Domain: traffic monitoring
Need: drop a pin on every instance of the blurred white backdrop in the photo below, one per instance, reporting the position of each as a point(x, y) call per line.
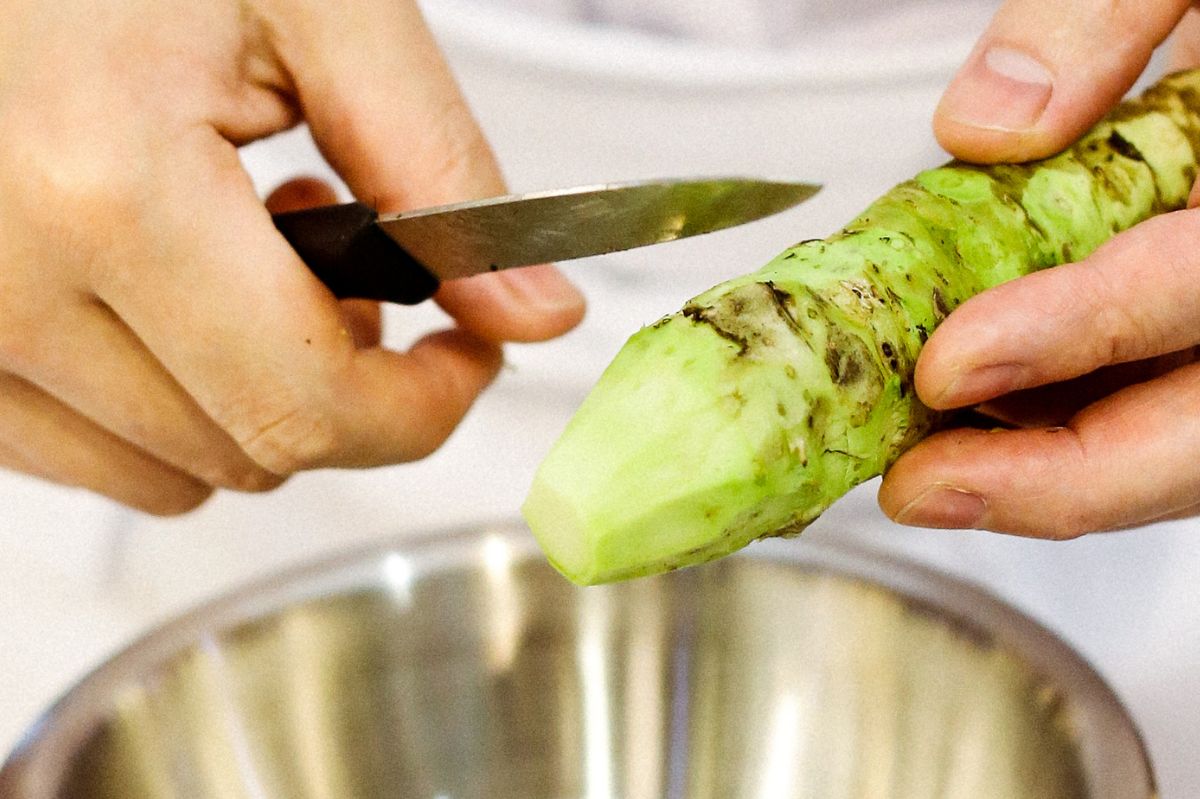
point(586, 91)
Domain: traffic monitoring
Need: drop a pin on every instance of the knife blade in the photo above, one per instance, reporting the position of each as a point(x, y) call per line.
point(404, 257)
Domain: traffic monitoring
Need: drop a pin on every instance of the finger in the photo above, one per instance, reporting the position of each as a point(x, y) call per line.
point(1054, 405)
point(533, 303)
point(387, 113)
point(363, 317)
point(1185, 54)
point(1135, 297)
point(300, 193)
point(273, 362)
point(1043, 73)
point(41, 436)
point(1190, 512)
point(1185, 42)
point(94, 364)
point(1125, 460)
point(441, 374)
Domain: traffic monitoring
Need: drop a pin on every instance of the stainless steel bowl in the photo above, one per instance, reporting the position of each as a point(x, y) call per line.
point(461, 666)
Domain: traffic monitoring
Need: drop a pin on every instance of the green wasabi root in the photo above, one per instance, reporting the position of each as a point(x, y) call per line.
point(751, 410)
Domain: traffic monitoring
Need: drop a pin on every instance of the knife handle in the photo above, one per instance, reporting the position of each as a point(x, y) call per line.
point(348, 252)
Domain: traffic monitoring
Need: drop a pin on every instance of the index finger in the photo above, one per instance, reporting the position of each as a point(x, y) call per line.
point(232, 313)
point(1135, 297)
point(1127, 459)
point(387, 113)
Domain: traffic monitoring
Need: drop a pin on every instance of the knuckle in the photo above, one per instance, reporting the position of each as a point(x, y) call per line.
point(1061, 523)
point(1061, 465)
point(429, 442)
point(176, 501)
point(458, 155)
point(80, 181)
point(291, 441)
point(1125, 336)
point(245, 476)
point(76, 210)
point(1069, 524)
point(15, 348)
point(444, 402)
point(256, 481)
point(1120, 14)
point(1120, 334)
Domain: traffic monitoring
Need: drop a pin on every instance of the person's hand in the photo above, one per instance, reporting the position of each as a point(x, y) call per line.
point(158, 338)
point(1091, 362)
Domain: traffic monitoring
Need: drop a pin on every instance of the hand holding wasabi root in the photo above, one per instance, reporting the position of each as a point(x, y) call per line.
point(1092, 361)
point(761, 402)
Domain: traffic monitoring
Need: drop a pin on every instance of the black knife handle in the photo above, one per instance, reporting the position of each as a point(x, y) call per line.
point(348, 252)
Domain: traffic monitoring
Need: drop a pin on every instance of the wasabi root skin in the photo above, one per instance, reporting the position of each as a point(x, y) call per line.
point(765, 399)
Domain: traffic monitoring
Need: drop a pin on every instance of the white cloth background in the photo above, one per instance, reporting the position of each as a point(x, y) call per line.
point(775, 24)
point(581, 92)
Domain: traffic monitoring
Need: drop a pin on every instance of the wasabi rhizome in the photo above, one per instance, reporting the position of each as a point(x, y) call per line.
point(765, 399)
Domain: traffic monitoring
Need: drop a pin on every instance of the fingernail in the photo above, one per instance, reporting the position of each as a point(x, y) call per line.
point(541, 286)
point(999, 89)
point(943, 506)
point(979, 384)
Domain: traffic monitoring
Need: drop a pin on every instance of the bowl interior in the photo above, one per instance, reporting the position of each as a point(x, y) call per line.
point(492, 677)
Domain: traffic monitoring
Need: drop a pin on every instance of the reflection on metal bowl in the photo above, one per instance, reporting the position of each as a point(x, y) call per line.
point(462, 666)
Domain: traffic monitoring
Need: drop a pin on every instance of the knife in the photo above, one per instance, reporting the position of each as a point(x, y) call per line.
point(403, 257)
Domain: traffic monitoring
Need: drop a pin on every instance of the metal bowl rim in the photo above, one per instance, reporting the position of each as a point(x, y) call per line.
point(47, 744)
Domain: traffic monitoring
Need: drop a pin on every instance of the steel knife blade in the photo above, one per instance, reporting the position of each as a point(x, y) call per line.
point(404, 257)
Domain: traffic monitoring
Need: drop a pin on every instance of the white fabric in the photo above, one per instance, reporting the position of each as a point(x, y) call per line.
point(783, 24)
point(81, 576)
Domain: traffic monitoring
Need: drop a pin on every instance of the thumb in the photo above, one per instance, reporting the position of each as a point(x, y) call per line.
point(1043, 73)
point(388, 115)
